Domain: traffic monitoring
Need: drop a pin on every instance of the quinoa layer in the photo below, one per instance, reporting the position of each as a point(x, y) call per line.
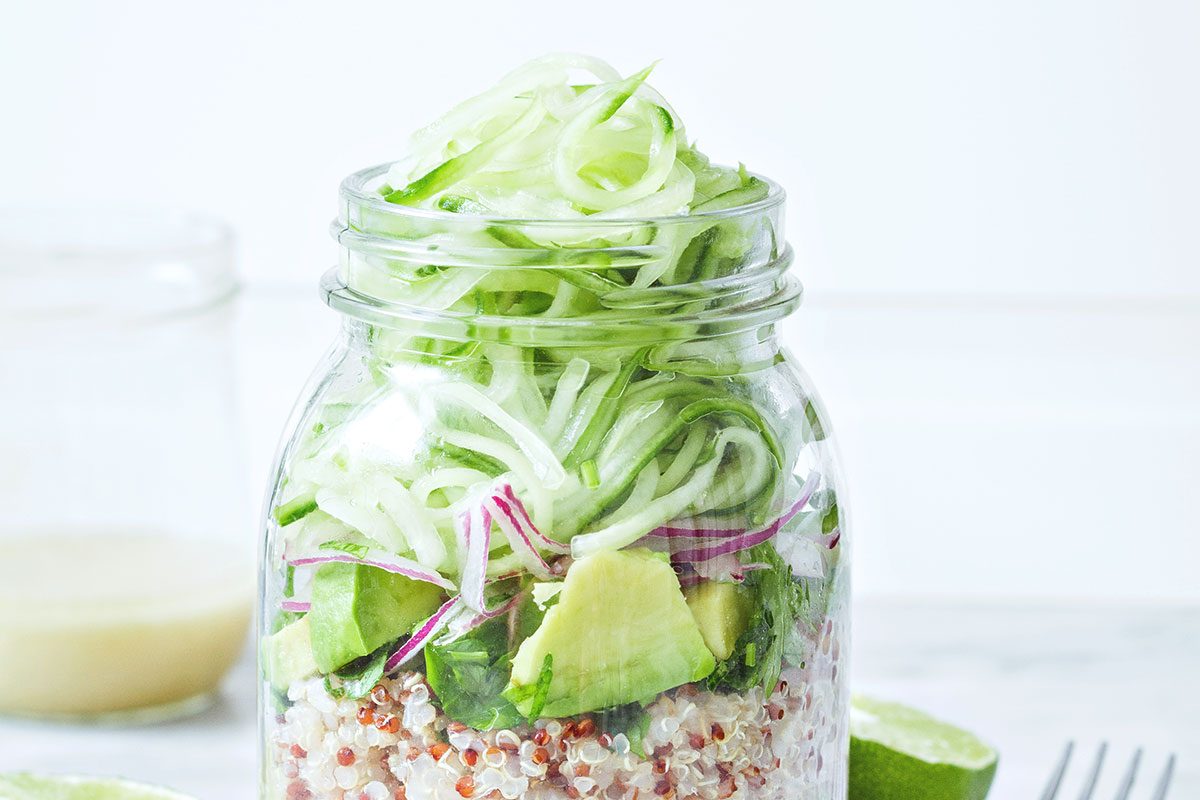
point(397, 744)
point(699, 746)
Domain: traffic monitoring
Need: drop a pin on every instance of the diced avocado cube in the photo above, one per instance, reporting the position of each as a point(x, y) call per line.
point(289, 655)
point(722, 611)
point(357, 608)
point(620, 632)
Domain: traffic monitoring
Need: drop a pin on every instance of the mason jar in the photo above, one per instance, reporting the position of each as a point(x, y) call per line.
point(126, 585)
point(557, 517)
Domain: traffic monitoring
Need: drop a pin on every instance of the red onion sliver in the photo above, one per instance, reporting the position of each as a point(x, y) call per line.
point(421, 636)
point(682, 532)
point(521, 544)
point(523, 515)
point(375, 558)
point(295, 606)
point(706, 550)
point(474, 530)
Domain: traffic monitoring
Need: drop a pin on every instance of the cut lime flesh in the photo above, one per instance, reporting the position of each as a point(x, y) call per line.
point(898, 753)
point(29, 786)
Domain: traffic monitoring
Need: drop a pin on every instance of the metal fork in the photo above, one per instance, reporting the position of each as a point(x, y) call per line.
point(1093, 775)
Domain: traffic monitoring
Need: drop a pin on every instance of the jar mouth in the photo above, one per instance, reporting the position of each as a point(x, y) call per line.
point(659, 278)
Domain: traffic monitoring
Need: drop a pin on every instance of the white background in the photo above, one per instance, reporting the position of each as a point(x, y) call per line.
point(995, 207)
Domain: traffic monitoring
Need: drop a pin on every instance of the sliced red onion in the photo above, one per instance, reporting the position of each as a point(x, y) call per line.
point(702, 531)
point(375, 558)
point(832, 538)
point(421, 636)
point(517, 537)
point(736, 541)
point(454, 616)
point(522, 515)
point(474, 529)
point(465, 620)
point(295, 606)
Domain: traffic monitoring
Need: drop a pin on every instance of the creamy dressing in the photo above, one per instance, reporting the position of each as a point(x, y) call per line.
point(98, 622)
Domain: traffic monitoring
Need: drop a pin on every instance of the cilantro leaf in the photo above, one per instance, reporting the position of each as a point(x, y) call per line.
point(358, 678)
point(469, 676)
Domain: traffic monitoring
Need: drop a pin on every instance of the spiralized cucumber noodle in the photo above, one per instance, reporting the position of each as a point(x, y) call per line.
point(565, 195)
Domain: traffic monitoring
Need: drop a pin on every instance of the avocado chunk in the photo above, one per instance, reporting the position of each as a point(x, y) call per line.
point(356, 609)
point(289, 656)
point(620, 633)
point(722, 611)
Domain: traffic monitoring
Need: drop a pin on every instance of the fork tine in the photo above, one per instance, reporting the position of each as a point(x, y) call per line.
point(1130, 776)
point(1164, 782)
point(1051, 790)
point(1094, 776)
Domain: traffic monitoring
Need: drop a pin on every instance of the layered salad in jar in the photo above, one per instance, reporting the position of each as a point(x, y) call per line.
point(505, 566)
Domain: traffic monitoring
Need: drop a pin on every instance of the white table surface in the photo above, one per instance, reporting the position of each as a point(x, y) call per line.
point(1027, 677)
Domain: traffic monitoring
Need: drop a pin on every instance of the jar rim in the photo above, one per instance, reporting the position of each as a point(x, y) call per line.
point(380, 240)
point(355, 189)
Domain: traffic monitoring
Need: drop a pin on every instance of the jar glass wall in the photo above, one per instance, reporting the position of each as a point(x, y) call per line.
point(517, 550)
point(121, 547)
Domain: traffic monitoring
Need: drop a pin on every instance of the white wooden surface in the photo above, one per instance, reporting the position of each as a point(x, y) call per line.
point(1028, 677)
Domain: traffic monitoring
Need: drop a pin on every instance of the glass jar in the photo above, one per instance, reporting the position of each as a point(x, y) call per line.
point(557, 517)
point(126, 585)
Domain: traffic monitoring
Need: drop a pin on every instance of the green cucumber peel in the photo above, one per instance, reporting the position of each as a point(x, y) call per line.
point(617, 480)
point(295, 509)
point(601, 422)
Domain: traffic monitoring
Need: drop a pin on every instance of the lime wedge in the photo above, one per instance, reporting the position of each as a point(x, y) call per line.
point(897, 753)
point(27, 786)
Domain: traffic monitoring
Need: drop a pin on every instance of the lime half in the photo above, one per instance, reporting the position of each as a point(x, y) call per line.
point(27, 786)
point(897, 753)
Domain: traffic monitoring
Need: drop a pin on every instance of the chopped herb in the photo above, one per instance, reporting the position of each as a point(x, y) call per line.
point(780, 601)
point(356, 679)
point(830, 520)
point(538, 691)
point(283, 619)
point(357, 550)
point(591, 475)
point(469, 676)
point(814, 421)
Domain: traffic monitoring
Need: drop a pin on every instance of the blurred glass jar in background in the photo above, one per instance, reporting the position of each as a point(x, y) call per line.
point(126, 583)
